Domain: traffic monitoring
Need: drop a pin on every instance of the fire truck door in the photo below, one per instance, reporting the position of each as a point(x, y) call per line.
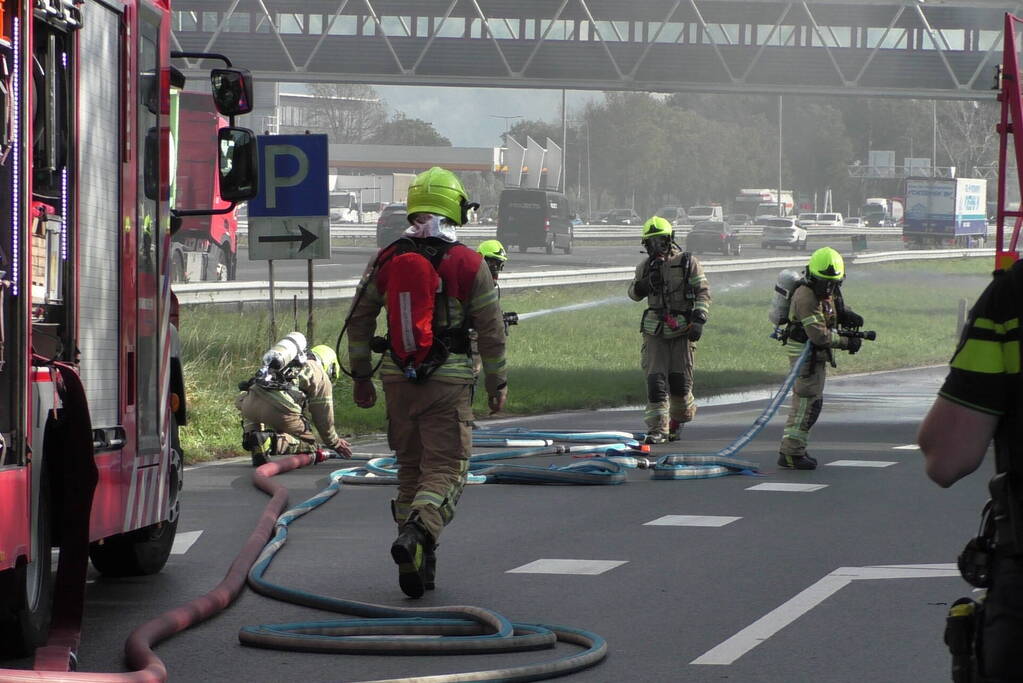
point(150, 309)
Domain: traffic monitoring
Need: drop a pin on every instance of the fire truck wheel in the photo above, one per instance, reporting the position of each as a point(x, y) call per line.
point(26, 592)
point(144, 551)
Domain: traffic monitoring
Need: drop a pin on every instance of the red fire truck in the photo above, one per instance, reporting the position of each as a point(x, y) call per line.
point(85, 234)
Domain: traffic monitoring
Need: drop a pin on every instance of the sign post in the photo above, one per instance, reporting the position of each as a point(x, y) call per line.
point(290, 217)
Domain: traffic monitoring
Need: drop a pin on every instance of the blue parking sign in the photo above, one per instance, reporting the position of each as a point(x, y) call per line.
point(292, 176)
point(290, 217)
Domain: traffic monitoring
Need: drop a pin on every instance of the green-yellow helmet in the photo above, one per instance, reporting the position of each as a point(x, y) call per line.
point(827, 264)
point(328, 360)
point(492, 249)
point(440, 192)
point(657, 226)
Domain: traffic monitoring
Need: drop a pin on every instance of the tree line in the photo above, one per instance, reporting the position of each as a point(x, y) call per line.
point(644, 151)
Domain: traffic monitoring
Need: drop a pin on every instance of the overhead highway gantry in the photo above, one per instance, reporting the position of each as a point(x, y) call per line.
point(924, 49)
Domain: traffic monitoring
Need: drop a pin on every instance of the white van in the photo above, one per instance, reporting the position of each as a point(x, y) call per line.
point(698, 214)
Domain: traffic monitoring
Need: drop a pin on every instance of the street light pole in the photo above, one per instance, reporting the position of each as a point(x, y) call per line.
point(779, 154)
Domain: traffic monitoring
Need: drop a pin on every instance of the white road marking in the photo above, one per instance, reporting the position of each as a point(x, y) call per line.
point(783, 615)
point(861, 463)
point(907, 447)
point(794, 488)
point(588, 567)
point(691, 520)
point(183, 540)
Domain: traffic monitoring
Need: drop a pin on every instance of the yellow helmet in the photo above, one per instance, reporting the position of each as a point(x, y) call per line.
point(657, 226)
point(492, 249)
point(438, 191)
point(827, 264)
point(328, 360)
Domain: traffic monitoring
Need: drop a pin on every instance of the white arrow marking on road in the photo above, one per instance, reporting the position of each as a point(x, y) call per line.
point(783, 615)
point(183, 541)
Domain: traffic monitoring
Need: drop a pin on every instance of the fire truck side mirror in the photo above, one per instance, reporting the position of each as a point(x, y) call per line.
point(232, 91)
point(239, 164)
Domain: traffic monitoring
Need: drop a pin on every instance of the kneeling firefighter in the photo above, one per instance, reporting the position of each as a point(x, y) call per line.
point(274, 402)
point(816, 313)
point(678, 299)
point(434, 289)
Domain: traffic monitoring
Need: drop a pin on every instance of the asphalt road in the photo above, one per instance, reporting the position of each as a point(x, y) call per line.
point(349, 262)
point(811, 571)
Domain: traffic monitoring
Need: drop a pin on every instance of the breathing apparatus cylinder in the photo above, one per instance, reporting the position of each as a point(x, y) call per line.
point(285, 351)
point(788, 280)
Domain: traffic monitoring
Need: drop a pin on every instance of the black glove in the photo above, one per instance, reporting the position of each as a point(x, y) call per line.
point(852, 319)
point(642, 287)
point(854, 344)
point(695, 331)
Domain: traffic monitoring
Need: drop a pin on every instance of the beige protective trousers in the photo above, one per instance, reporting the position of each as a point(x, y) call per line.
point(668, 365)
point(429, 427)
point(807, 399)
point(292, 432)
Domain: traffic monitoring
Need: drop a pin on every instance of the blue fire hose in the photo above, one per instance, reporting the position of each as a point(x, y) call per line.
point(410, 630)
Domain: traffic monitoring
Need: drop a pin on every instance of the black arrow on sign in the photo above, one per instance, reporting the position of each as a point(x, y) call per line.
point(306, 238)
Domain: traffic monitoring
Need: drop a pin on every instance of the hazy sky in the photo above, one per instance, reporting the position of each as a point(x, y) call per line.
point(463, 115)
point(467, 116)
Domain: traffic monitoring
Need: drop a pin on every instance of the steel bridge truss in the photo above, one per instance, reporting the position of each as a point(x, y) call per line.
point(906, 49)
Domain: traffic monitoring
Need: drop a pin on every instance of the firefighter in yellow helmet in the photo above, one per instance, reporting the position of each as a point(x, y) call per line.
point(493, 252)
point(429, 413)
point(815, 313)
point(275, 403)
point(678, 299)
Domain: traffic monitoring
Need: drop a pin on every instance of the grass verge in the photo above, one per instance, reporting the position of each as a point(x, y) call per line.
point(589, 358)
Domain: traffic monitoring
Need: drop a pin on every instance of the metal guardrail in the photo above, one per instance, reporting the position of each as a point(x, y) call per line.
point(200, 293)
point(606, 232)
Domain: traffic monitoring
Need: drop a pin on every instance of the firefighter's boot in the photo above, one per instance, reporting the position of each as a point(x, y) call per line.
point(655, 436)
point(797, 462)
point(260, 445)
point(674, 430)
point(409, 553)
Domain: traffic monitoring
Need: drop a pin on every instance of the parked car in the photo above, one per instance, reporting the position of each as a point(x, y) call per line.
point(575, 219)
point(738, 219)
point(714, 236)
point(782, 232)
point(534, 218)
point(393, 221)
point(854, 222)
point(621, 217)
point(807, 220)
point(829, 220)
point(675, 214)
point(712, 212)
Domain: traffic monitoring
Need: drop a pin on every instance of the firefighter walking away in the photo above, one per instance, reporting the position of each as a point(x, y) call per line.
point(678, 299)
point(435, 290)
point(292, 388)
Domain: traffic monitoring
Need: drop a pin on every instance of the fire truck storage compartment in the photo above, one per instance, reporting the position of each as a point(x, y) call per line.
point(99, 204)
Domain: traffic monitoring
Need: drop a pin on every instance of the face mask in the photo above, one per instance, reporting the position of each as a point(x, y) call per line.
point(436, 226)
point(658, 246)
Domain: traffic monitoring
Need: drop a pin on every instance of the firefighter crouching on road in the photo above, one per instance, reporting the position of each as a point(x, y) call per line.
point(429, 415)
point(273, 402)
point(815, 312)
point(980, 401)
point(678, 298)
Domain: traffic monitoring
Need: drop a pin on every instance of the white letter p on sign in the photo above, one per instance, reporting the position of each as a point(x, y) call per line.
point(273, 181)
